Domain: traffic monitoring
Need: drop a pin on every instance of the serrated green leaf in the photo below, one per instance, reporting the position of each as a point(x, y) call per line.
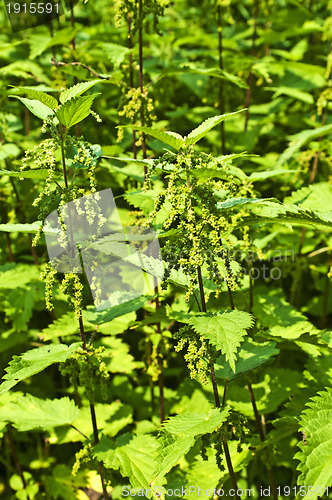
point(20, 228)
point(28, 413)
point(170, 451)
point(316, 452)
point(225, 331)
point(110, 422)
point(214, 72)
point(173, 139)
point(75, 110)
point(97, 317)
point(196, 424)
point(14, 276)
point(199, 132)
point(261, 176)
point(38, 173)
point(77, 90)
point(116, 53)
point(250, 356)
point(144, 200)
point(61, 327)
point(35, 361)
point(8, 150)
point(318, 196)
point(26, 228)
point(281, 318)
point(300, 139)
point(36, 107)
point(42, 97)
point(132, 455)
point(233, 202)
point(271, 211)
point(180, 433)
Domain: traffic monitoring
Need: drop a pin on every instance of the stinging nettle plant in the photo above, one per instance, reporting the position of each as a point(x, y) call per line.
point(205, 202)
point(248, 391)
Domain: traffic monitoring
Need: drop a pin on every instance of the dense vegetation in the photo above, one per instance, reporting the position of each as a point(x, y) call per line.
point(210, 121)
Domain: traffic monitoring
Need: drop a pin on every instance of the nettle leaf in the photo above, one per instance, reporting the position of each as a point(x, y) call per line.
point(318, 196)
point(300, 139)
point(132, 455)
point(75, 110)
point(110, 422)
point(225, 331)
point(97, 317)
point(14, 276)
point(180, 433)
point(144, 200)
point(196, 424)
point(281, 318)
point(35, 361)
point(36, 107)
point(316, 452)
point(116, 53)
point(63, 484)
point(272, 211)
point(38, 173)
point(251, 355)
point(176, 140)
point(171, 450)
point(172, 139)
point(77, 90)
point(118, 359)
point(261, 176)
point(199, 132)
point(213, 72)
point(28, 412)
point(32, 227)
point(233, 202)
point(42, 97)
point(61, 327)
point(8, 150)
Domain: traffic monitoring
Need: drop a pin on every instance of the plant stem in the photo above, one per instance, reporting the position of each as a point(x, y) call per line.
point(258, 420)
point(250, 78)
point(140, 56)
point(216, 394)
point(80, 432)
point(131, 75)
point(80, 320)
point(224, 395)
point(22, 214)
point(56, 63)
point(262, 438)
point(221, 85)
point(9, 248)
point(64, 168)
point(160, 368)
point(16, 460)
point(326, 292)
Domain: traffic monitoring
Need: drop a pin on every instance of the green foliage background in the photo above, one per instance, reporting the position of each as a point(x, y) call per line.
point(261, 180)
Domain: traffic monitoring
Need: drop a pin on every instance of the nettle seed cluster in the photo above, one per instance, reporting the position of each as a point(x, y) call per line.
point(193, 181)
point(200, 227)
point(80, 157)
